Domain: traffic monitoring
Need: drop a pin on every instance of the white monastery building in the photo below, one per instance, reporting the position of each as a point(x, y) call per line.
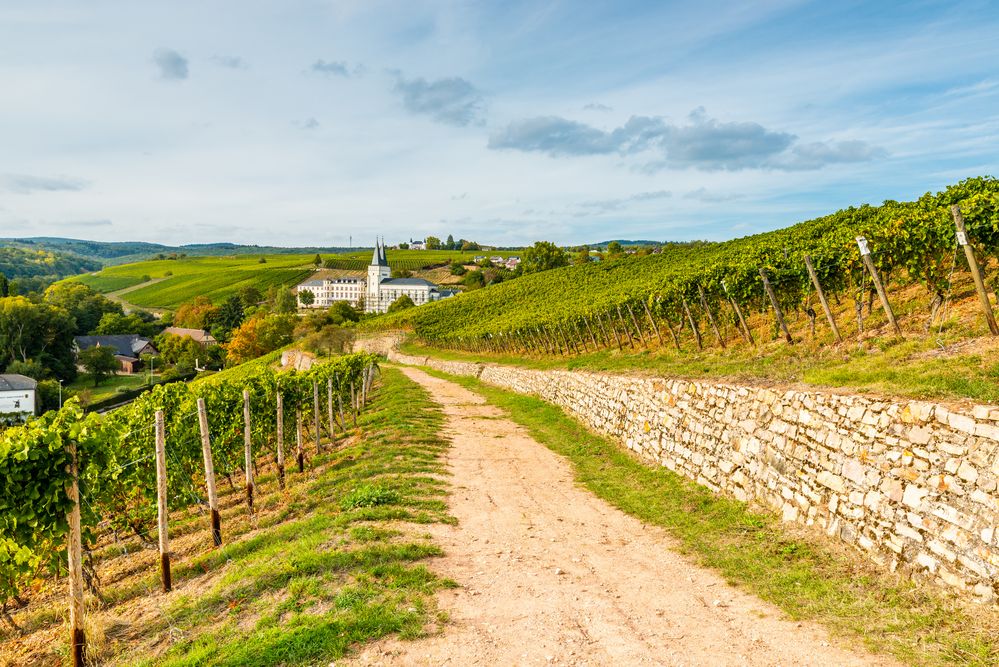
point(378, 291)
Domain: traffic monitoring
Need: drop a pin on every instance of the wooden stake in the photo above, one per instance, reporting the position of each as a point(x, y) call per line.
point(711, 317)
point(652, 321)
point(161, 502)
point(74, 554)
point(330, 415)
point(315, 413)
point(634, 321)
point(298, 441)
point(777, 310)
point(976, 274)
point(746, 333)
point(248, 450)
point(613, 328)
point(280, 440)
point(624, 325)
point(353, 402)
point(822, 298)
point(589, 330)
point(865, 255)
point(693, 325)
point(206, 453)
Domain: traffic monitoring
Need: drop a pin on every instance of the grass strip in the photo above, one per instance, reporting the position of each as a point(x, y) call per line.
point(808, 578)
point(342, 567)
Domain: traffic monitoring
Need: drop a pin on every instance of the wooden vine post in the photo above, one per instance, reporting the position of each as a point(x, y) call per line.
point(206, 453)
point(162, 514)
point(74, 549)
point(298, 441)
point(634, 320)
point(822, 298)
point(624, 325)
point(280, 440)
point(711, 317)
point(315, 413)
point(746, 333)
point(353, 402)
point(652, 321)
point(248, 450)
point(693, 325)
point(865, 255)
point(773, 302)
point(330, 415)
point(976, 274)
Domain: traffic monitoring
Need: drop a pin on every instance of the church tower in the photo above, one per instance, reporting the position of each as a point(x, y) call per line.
point(378, 271)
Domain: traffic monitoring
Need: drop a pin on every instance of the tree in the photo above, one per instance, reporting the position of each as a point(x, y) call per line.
point(250, 296)
point(306, 297)
point(341, 312)
point(450, 245)
point(284, 301)
point(38, 331)
point(470, 245)
point(404, 246)
point(458, 269)
point(258, 336)
point(614, 249)
point(197, 314)
point(583, 256)
point(402, 273)
point(402, 303)
point(433, 243)
point(99, 362)
point(318, 261)
point(542, 256)
point(82, 302)
point(4, 286)
point(230, 314)
point(474, 280)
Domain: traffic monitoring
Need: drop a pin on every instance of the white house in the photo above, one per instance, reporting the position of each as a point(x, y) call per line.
point(417, 245)
point(17, 396)
point(379, 290)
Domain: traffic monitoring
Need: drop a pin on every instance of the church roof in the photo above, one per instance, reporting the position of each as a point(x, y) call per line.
point(407, 281)
point(378, 256)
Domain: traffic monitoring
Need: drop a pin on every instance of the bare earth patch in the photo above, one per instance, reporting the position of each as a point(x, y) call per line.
point(552, 575)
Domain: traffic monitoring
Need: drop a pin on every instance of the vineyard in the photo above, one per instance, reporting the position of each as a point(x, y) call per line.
point(164, 450)
point(681, 296)
point(180, 280)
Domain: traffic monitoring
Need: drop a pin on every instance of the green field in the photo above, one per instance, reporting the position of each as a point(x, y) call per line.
point(171, 282)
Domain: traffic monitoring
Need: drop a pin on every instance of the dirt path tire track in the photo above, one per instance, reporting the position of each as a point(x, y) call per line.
point(552, 575)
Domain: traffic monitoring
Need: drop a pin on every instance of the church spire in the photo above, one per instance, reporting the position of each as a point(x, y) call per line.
point(378, 257)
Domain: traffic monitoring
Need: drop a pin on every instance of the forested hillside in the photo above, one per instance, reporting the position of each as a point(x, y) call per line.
point(33, 270)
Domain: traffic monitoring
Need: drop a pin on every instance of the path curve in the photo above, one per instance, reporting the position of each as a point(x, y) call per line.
point(552, 575)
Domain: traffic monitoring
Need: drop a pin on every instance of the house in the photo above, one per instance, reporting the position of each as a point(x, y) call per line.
point(478, 258)
point(128, 348)
point(200, 336)
point(512, 262)
point(17, 397)
point(496, 259)
point(378, 291)
point(417, 245)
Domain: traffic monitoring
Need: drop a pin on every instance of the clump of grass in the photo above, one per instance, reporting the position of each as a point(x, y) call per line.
point(804, 575)
point(370, 495)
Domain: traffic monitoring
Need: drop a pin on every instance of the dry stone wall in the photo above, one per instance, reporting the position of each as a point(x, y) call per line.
point(912, 484)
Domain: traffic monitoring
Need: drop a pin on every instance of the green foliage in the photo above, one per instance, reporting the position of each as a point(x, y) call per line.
point(117, 474)
point(37, 331)
point(913, 241)
point(402, 303)
point(433, 243)
point(118, 323)
point(458, 269)
point(85, 305)
point(544, 256)
point(306, 297)
point(370, 495)
point(99, 362)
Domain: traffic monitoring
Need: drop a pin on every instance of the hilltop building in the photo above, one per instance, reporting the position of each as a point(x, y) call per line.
point(378, 291)
point(17, 397)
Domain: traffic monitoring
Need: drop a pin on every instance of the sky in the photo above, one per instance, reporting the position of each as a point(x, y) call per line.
point(304, 122)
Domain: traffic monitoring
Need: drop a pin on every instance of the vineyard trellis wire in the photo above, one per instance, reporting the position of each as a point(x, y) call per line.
point(101, 468)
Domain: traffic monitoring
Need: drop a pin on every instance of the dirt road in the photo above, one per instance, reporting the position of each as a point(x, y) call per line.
point(552, 575)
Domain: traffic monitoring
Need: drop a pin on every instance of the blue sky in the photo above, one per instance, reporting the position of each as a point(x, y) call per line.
point(307, 122)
